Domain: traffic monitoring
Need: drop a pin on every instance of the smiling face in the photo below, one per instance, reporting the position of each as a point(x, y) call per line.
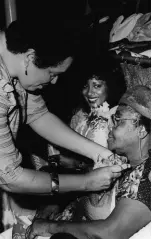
point(95, 92)
point(124, 133)
point(37, 78)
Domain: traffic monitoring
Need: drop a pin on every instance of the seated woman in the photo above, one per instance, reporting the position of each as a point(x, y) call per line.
point(130, 136)
point(92, 120)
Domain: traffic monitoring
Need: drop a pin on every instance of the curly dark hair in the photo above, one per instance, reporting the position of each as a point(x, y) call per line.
point(102, 71)
point(99, 76)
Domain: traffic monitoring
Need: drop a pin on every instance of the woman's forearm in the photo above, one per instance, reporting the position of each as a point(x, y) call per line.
point(82, 230)
point(54, 130)
point(36, 182)
point(30, 181)
point(70, 183)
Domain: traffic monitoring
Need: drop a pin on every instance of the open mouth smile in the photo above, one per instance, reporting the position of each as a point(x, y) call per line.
point(92, 100)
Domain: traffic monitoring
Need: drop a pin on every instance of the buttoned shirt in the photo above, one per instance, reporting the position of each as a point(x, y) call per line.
point(16, 106)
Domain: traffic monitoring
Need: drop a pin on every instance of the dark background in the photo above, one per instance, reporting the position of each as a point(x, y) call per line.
point(63, 97)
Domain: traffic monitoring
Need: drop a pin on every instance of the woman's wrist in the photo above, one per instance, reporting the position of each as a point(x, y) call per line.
point(100, 152)
point(69, 183)
point(57, 227)
point(54, 179)
point(53, 228)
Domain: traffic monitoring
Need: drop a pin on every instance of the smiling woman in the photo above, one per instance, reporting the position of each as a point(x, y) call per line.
point(91, 117)
point(95, 91)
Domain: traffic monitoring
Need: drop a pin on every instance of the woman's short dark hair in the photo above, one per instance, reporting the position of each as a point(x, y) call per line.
point(52, 44)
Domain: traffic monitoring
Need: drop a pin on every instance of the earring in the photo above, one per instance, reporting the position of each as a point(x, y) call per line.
point(26, 70)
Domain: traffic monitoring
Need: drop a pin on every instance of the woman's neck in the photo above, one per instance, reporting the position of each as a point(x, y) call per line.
point(137, 156)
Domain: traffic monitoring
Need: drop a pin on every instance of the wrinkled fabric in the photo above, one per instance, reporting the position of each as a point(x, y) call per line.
point(141, 30)
point(135, 184)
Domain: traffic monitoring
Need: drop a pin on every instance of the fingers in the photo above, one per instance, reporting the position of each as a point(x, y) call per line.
point(27, 233)
point(119, 168)
point(30, 234)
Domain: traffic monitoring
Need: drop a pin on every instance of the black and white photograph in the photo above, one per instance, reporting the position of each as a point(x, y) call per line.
point(75, 119)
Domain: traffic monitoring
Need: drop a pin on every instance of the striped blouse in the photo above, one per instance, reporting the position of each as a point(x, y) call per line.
point(16, 106)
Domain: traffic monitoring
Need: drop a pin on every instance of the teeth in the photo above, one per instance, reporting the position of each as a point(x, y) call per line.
point(92, 100)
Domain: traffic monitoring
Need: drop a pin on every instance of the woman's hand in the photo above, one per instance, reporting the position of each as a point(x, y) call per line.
point(102, 178)
point(40, 227)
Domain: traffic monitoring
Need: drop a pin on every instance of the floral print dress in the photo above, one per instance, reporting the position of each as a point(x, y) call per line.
point(135, 184)
point(95, 127)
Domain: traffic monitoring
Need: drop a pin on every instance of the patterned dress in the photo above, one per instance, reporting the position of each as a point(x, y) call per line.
point(95, 127)
point(135, 184)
